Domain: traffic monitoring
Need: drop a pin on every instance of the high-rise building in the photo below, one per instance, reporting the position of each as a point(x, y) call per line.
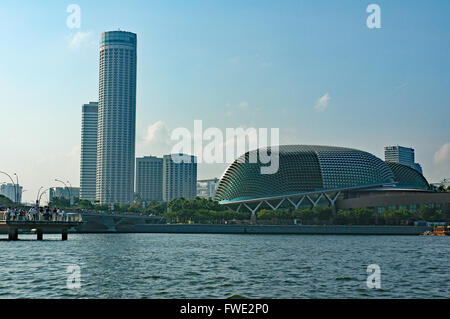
point(88, 163)
point(179, 176)
point(63, 192)
point(149, 175)
point(207, 188)
point(116, 118)
point(12, 191)
point(402, 155)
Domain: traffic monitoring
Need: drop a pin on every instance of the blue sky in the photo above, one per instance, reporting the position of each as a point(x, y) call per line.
point(230, 64)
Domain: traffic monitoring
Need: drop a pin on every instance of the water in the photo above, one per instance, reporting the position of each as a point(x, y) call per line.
point(219, 266)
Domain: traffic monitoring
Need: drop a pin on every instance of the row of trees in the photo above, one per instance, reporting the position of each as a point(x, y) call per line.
point(359, 216)
point(200, 210)
point(153, 208)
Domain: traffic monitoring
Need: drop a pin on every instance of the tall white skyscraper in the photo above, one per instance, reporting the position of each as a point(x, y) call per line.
point(88, 163)
point(179, 177)
point(116, 118)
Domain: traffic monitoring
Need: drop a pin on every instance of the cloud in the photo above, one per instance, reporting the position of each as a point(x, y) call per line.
point(443, 154)
point(77, 39)
point(155, 141)
point(322, 103)
point(154, 131)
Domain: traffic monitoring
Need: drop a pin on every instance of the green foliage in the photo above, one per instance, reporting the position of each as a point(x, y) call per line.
point(195, 204)
point(205, 216)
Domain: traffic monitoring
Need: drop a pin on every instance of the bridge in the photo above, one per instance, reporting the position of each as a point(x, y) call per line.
point(39, 224)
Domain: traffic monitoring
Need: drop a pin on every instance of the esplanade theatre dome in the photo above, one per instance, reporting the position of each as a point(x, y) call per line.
point(307, 168)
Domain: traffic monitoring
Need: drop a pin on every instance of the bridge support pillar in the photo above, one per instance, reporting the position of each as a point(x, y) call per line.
point(64, 235)
point(40, 234)
point(13, 234)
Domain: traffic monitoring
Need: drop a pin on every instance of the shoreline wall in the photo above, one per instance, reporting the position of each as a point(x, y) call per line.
point(136, 224)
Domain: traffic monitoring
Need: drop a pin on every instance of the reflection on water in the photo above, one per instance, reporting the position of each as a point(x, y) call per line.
point(220, 266)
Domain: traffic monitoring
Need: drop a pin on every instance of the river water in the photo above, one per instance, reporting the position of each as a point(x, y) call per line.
point(220, 266)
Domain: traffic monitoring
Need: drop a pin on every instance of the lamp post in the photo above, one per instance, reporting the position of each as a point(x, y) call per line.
point(39, 190)
point(15, 187)
point(71, 194)
point(40, 196)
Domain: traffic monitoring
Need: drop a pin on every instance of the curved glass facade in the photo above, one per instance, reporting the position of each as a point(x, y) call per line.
point(408, 177)
point(303, 168)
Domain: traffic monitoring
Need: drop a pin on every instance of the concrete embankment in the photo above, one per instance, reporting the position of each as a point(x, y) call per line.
point(273, 229)
point(103, 223)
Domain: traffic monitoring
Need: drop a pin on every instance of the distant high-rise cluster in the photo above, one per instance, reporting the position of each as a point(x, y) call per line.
point(108, 134)
point(207, 188)
point(401, 155)
point(166, 178)
point(12, 191)
point(63, 192)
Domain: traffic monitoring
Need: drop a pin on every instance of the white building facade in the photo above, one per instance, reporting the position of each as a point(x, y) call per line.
point(88, 162)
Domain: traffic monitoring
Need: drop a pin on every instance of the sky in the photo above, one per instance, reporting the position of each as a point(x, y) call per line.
point(311, 68)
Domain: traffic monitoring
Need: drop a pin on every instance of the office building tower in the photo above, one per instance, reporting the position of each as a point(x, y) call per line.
point(12, 191)
point(401, 155)
point(179, 176)
point(116, 118)
point(88, 163)
point(63, 193)
point(207, 188)
point(149, 170)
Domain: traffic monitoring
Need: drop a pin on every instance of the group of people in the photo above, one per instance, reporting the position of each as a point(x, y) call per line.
point(33, 214)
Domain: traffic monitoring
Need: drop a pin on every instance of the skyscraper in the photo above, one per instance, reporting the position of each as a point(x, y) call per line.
point(12, 191)
point(88, 163)
point(116, 117)
point(149, 178)
point(402, 155)
point(207, 188)
point(179, 176)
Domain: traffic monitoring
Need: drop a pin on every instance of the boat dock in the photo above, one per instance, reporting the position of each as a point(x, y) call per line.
point(40, 226)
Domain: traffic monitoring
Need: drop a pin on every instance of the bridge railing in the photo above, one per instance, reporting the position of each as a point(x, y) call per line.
point(68, 218)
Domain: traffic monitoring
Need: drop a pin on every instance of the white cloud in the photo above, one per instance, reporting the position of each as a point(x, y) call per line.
point(443, 154)
point(322, 103)
point(77, 39)
point(155, 141)
point(154, 131)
